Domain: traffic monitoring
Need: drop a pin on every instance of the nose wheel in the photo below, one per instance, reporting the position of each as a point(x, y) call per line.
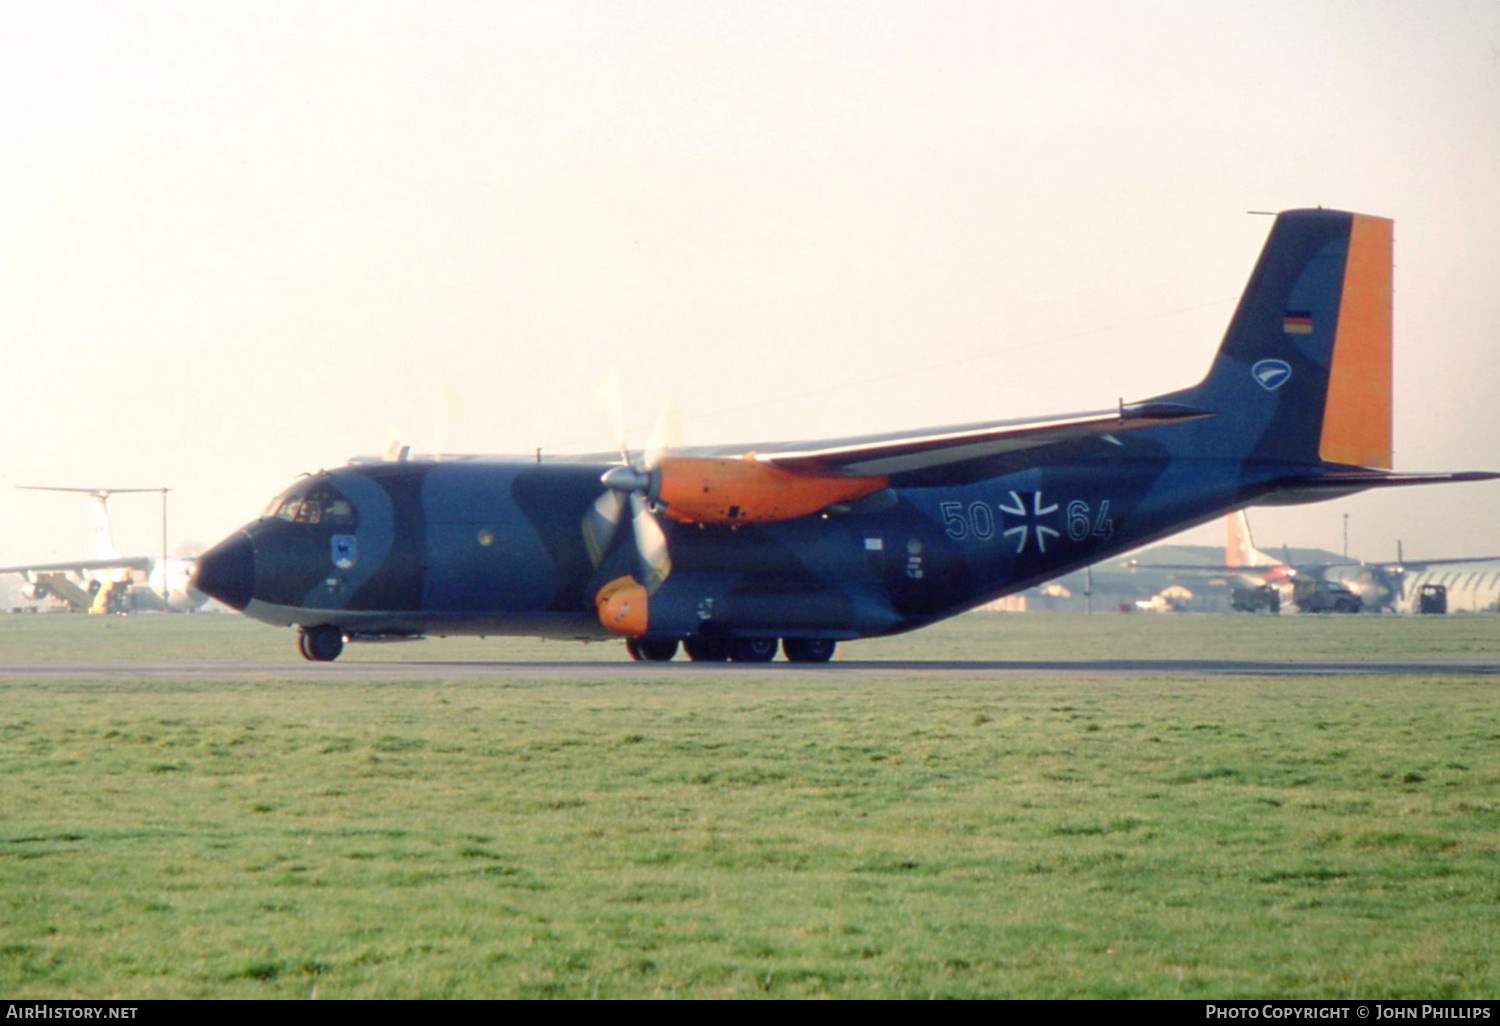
point(320, 644)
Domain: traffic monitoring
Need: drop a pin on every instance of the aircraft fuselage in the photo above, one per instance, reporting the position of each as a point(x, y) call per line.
point(493, 547)
point(724, 550)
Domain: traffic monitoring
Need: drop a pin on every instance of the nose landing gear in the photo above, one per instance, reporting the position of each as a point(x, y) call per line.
point(320, 644)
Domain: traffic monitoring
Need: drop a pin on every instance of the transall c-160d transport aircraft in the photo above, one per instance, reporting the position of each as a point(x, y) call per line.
point(728, 552)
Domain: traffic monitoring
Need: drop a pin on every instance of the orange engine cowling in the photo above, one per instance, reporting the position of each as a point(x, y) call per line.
point(742, 490)
point(623, 607)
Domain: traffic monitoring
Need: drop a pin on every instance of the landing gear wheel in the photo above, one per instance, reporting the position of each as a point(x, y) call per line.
point(752, 650)
point(320, 644)
point(706, 650)
point(651, 650)
point(808, 650)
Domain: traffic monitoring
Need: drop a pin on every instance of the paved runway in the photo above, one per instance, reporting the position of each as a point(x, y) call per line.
point(347, 671)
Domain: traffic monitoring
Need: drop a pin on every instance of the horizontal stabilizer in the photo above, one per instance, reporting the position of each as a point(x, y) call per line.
point(1348, 482)
point(106, 492)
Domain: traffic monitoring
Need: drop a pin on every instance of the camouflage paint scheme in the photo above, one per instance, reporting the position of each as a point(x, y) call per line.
point(968, 514)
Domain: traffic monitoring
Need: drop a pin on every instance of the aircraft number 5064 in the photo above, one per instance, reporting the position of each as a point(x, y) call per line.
point(977, 521)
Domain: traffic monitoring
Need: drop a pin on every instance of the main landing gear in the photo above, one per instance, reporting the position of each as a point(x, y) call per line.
point(651, 650)
point(320, 644)
point(738, 650)
point(808, 650)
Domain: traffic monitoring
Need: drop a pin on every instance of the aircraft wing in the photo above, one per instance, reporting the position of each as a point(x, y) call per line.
point(1200, 568)
point(1409, 565)
point(908, 452)
point(82, 565)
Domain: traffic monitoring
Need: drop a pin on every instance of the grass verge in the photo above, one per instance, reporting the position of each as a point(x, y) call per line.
point(756, 836)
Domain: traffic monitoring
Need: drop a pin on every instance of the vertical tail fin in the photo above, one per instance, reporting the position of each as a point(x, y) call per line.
point(1239, 546)
point(1304, 372)
point(1357, 414)
point(104, 542)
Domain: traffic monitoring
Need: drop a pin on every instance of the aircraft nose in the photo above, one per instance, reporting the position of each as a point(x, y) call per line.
point(227, 571)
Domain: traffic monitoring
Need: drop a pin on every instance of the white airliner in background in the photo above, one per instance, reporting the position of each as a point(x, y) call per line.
point(109, 582)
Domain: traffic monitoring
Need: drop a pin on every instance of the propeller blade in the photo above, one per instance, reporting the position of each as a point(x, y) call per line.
point(650, 542)
point(601, 522)
point(666, 436)
point(630, 483)
point(611, 400)
point(397, 448)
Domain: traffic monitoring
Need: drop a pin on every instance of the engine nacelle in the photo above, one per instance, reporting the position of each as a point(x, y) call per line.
point(743, 490)
point(622, 606)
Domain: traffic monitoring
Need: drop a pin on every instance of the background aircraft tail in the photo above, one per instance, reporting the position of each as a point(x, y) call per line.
point(1239, 546)
point(1303, 375)
point(104, 543)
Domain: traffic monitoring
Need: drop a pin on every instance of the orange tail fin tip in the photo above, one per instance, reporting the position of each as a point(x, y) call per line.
point(1357, 418)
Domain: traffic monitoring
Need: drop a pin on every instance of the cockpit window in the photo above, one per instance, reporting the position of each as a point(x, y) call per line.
point(312, 501)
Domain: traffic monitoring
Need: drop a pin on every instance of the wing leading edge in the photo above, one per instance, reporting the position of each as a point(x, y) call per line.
point(82, 566)
point(908, 452)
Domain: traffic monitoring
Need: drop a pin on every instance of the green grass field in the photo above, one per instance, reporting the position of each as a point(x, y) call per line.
point(978, 636)
point(759, 834)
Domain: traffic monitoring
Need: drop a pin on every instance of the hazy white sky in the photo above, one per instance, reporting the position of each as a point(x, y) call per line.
point(243, 240)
